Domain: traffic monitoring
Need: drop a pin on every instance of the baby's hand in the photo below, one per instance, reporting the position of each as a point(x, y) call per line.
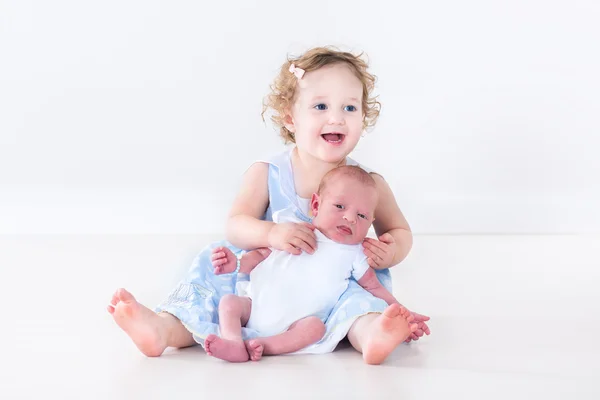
point(422, 328)
point(380, 252)
point(293, 237)
point(223, 260)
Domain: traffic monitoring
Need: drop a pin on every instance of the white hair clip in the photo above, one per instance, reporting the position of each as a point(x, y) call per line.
point(299, 72)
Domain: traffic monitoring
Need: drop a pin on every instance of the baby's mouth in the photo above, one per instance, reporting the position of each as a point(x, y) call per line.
point(344, 230)
point(334, 138)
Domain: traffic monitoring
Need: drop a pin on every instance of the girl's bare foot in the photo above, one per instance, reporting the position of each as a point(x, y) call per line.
point(386, 332)
point(227, 350)
point(255, 349)
point(139, 322)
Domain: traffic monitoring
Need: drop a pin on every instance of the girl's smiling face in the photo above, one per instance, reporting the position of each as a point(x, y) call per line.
point(327, 117)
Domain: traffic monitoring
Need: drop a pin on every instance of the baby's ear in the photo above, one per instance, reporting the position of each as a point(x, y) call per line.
point(315, 202)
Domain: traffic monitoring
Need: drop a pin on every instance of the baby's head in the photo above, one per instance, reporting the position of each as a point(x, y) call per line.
point(322, 101)
point(344, 205)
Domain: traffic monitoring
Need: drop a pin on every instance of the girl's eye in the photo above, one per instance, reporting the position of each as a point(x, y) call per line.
point(363, 216)
point(350, 108)
point(341, 207)
point(321, 107)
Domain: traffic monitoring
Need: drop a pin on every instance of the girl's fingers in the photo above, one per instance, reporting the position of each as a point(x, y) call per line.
point(372, 256)
point(376, 251)
point(292, 250)
point(308, 238)
point(302, 245)
point(375, 243)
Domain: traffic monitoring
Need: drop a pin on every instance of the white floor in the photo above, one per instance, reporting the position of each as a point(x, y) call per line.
point(512, 317)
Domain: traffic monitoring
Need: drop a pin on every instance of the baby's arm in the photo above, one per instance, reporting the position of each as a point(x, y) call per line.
point(371, 284)
point(225, 262)
point(392, 229)
point(251, 259)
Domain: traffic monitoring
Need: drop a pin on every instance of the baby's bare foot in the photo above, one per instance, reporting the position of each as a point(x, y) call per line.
point(227, 350)
point(389, 330)
point(255, 349)
point(139, 322)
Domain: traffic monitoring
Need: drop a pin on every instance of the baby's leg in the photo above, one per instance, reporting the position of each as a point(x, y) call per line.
point(234, 312)
point(152, 333)
point(377, 335)
point(302, 333)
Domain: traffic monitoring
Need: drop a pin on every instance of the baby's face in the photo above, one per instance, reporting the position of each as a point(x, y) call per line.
point(327, 115)
point(344, 212)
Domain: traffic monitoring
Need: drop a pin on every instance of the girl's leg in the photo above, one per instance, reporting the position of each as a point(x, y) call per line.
point(302, 333)
point(152, 333)
point(234, 312)
point(359, 330)
point(377, 335)
point(178, 336)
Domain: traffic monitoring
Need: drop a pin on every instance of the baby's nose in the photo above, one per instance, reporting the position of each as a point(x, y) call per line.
point(350, 218)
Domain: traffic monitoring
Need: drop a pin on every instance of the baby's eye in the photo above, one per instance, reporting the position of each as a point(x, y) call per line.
point(363, 216)
point(341, 207)
point(321, 107)
point(350, 108)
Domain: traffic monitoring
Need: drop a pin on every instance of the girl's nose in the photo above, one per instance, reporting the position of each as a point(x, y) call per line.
point(336, 117)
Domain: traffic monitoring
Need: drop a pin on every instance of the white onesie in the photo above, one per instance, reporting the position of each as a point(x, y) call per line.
point(285, 288)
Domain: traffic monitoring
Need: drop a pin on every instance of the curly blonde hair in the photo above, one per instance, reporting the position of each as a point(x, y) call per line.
point(283, 89)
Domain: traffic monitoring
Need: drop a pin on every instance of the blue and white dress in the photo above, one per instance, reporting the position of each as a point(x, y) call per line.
point(196, 299)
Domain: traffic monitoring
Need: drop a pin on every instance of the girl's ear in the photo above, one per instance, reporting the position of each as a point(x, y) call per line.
point(288, 121)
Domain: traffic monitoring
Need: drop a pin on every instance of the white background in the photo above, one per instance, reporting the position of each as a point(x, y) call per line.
point(124, 117)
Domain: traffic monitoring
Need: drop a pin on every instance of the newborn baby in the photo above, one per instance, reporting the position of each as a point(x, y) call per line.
point(290, 296)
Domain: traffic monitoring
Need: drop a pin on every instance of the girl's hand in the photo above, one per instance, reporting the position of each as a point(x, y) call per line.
point(223, 260)
point(293, 238)
point(380, 252)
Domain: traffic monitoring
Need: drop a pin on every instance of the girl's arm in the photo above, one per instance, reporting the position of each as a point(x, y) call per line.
point(245, 229)
point(389, 220)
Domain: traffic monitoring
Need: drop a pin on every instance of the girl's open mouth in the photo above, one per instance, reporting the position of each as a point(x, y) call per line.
point(333, 138)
